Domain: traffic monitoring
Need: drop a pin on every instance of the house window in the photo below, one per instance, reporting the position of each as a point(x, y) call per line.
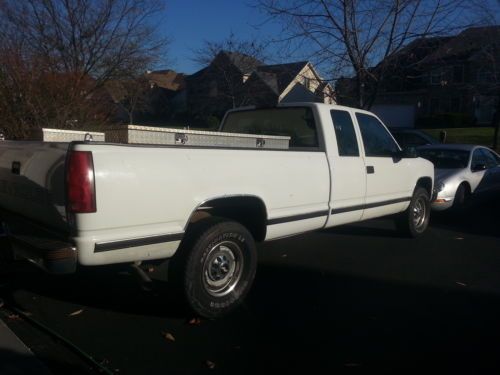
point(436, 77)
point(441, 76)
point(307, 83)
point(445, 105)
point(434, 105)
point(458, 73)
point(485, 75)
point(456, 104)
point(213, 89)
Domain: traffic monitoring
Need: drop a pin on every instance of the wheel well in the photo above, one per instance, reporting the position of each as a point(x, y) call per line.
point(467, 186)
point(426, 183)
point(249, 211)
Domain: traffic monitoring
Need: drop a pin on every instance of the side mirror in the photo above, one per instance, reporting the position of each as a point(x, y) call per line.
point(410, 152)
point(478, 167)
point(405, 153)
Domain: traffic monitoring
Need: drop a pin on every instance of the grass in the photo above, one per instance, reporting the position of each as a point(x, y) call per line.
point(479, 136)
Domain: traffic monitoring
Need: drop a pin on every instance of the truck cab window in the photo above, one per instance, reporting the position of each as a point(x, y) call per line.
point(347, 143)
point(376, 139)
point(296, 122)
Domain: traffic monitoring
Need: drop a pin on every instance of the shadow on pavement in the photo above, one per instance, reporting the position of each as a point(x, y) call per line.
point(481, 218)
point(112, 288)
point(370, 228)
point(325, 321)
point(13, 363)
point(296, 319)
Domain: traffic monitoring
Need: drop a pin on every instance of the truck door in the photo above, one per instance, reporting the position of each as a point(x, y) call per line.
point(347, 170)
point(388, 179)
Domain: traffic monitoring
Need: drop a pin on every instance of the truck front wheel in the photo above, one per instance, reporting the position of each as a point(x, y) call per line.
point(415, 220)
point(218, 266)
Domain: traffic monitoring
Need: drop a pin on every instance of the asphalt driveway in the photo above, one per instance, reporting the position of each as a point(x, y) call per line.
point(351, 299)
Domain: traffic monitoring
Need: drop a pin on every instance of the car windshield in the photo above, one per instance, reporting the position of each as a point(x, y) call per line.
point(413, 138)
point(446, 159)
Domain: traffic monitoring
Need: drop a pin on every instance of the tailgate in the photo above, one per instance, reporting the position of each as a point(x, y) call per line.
point(32, 176)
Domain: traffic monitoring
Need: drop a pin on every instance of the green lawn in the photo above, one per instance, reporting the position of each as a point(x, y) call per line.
point(480, 136)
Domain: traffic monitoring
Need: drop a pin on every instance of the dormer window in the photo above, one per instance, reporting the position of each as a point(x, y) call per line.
point(307, 83)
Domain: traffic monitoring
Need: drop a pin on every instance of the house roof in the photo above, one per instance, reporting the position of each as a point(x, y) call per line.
point(167, 79)
point(465, 44)
point(245, 63)
point(413, 52)
point(269, 79)
point(284, 73)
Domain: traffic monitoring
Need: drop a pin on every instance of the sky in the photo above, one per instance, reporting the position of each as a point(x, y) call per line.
point(189, 22)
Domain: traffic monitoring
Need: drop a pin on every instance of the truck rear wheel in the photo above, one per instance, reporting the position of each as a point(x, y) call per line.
point(216, 266)
point(415, 220)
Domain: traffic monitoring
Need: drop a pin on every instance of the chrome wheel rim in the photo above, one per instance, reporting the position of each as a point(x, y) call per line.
point(222, 268)
point(419, 214)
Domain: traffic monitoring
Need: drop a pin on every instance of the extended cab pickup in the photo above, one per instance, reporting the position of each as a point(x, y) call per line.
point(97, 203)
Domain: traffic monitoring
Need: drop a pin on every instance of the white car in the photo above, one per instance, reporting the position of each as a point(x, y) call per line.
point(462, 171)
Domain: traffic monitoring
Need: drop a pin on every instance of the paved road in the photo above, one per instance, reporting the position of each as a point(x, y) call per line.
point(354, 299)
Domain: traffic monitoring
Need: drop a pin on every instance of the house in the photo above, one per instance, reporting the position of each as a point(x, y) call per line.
point(234, 79)
point(153, 97)
point(440, 81)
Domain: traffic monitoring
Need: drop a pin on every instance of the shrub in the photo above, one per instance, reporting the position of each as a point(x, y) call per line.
point(446, 120)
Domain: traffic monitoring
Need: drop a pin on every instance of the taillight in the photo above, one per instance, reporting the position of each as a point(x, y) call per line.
point(80, 182)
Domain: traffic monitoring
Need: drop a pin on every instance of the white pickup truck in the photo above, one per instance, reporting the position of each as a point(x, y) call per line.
point(98, 203)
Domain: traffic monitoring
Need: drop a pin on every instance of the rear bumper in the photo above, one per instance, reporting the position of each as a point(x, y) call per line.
point(50, 250)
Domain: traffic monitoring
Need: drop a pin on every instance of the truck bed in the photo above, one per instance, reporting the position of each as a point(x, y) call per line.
point(146, 191)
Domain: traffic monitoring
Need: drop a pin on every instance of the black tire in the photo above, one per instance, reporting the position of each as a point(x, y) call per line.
point(461, 200)
point(415, 220)
point(215, 266)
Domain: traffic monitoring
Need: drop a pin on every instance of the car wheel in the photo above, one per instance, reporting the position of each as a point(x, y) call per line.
point(462, 196)
point(415, 220)
point(217, 268)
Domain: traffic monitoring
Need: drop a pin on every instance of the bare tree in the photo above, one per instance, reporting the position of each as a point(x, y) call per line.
point(350, 37)
point(241, 57)
point(210, 49)
point(73, 47)
point(133, 94)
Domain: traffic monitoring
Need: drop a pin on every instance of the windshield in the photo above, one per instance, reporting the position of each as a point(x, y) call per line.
point(446, 159)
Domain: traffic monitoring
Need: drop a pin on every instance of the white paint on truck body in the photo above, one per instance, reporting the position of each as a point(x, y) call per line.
point(144, 191)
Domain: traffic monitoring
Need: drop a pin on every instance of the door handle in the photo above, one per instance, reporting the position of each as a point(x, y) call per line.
point(370, 169)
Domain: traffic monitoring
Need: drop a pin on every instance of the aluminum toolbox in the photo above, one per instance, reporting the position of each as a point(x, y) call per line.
point(167, 136)
point(60, 135)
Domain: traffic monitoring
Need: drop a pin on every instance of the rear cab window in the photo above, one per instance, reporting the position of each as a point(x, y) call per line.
point(347, 142)
point(298, 123)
